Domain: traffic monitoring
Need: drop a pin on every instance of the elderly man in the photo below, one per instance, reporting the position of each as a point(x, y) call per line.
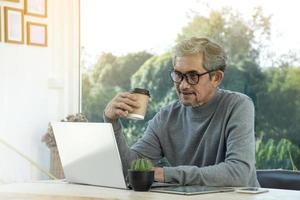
point(207, 136)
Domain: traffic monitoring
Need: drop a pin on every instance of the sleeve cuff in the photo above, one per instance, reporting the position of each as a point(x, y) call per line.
point(117, 126)
point(170, 174)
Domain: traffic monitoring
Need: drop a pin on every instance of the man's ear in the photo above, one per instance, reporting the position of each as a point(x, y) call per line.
point(217, 78)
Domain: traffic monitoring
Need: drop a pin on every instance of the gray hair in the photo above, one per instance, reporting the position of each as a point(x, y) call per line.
point(214, 56)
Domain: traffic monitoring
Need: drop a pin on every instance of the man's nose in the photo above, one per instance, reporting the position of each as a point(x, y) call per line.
point(184, 84)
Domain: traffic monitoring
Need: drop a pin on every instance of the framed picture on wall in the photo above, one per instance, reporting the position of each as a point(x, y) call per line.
point(16, 1)
point(37, 34)
point(36, 8)
point(13, 25)
point(0, 24)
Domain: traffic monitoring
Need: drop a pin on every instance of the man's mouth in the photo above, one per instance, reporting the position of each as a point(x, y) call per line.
point(187, 93)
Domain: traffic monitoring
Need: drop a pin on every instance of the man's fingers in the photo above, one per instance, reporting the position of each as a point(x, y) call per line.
point(122, 113)
point(128, 95)
point(128, 99)
point(121, 105)
point(124, 106)
point(131, 103)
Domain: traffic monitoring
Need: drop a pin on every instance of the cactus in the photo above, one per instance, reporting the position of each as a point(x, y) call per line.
point(142, 165)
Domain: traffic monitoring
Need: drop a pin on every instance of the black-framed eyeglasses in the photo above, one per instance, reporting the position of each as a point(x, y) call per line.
point(191, 78)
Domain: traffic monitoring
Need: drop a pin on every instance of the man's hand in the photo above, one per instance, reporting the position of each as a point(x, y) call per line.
point(121, 105)
point(159, 174)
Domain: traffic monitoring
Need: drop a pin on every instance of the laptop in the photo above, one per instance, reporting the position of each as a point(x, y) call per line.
point(89, 153)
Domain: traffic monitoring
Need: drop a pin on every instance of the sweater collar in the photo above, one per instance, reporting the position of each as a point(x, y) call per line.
point(206, 109)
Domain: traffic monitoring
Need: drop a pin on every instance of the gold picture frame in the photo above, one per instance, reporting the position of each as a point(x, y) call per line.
point(0, 24)
point(13, 25)
point(15, 1)
point(37, 34)
point(37, 8)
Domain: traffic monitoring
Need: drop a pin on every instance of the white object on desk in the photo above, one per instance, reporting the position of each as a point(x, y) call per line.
point(89, 153)
point(252, 190)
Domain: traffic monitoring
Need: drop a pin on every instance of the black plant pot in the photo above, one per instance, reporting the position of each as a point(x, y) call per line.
point(140, 181)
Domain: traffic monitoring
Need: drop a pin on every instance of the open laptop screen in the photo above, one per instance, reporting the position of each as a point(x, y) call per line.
point(89, 153)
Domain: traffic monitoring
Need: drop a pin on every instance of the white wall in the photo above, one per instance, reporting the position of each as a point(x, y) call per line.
point(37, 85)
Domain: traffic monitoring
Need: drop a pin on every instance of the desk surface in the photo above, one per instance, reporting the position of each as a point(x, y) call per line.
point(59, 191)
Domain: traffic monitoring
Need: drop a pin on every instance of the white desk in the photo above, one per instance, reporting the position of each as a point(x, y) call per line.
point(59, 191)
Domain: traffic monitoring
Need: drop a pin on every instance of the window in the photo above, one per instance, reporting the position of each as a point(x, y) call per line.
point(126, 44)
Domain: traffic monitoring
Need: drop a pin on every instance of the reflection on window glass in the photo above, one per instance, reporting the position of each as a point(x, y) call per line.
point(128, 46)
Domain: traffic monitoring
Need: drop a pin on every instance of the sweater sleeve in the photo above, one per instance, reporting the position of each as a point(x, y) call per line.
point(239, 163)
point(149, 146)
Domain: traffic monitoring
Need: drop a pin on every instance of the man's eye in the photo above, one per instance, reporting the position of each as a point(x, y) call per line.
point(178, 74)
point(193, 76)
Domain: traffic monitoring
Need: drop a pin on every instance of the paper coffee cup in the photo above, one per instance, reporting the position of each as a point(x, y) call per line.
point(143, 98)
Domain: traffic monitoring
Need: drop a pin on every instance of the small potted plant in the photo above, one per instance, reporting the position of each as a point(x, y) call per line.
point(141, 174)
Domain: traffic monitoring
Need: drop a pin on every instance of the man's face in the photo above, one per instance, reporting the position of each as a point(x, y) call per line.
point(204, 90)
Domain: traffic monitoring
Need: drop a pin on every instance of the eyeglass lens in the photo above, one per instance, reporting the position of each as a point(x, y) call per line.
point(191, 77)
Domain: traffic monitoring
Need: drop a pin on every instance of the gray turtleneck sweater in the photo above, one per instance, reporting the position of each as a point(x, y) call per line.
point(212, 145)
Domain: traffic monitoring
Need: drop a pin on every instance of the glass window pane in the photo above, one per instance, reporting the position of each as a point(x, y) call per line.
point(126, 44)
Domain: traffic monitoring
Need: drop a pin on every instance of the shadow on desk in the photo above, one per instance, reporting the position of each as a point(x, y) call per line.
point(279, 179)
